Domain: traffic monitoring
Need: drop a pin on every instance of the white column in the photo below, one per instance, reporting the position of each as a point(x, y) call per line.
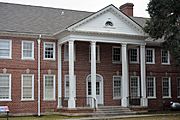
point(71, 101)
point(125, 74)
point(143, 77)
point(93, 72)
point(59, 77)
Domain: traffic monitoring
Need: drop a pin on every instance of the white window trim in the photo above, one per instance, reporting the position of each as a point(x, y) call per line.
point(24, 99)
point(168, 63)
point(9, 89)
point(120, 86)
point(138, 84)
point(98, 52)
point(154, 82)
point(177, 87)
point(169, 79)
point(10, 51)
point(54, 86)
point(135, 62)
point(54, 50)
point(22, 52)
point(153, 56)
point(116, 62)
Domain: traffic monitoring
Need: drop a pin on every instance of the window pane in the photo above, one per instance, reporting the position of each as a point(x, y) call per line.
point(49, 87)
point(116, 54)
point(49, 50)
point(150, 87)
point(149, 55)
point(165, 56)
point(27, 87)
point(117, 86)
point(4, 48)
point(134, 55)
point(27, 49)
point(166, 87)
point(4, 87)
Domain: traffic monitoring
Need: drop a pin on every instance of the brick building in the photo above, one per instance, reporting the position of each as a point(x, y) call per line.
point(56, 58)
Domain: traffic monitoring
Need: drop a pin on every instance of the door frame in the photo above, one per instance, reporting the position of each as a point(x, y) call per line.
point(101, 85)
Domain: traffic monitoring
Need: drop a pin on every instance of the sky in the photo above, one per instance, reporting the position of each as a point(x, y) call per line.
point(140, 6)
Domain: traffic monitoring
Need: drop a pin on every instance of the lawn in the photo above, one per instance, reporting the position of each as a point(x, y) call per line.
point(59, 117)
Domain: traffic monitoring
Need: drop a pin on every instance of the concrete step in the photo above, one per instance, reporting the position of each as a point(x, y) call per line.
point(112, 110)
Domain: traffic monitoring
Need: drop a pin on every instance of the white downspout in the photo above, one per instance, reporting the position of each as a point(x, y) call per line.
point(39, 75)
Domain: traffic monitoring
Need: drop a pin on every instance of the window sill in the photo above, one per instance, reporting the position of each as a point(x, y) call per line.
point(150, 63)
point(116, 98)
point(5, 100)
point(165, 64)
point(32, 59)
point(5, 57)
point(27, 100)
point(167, 97)
point(151, 97)
point(51, 59)
point(134, 62)
point(52, 100)
point(116, 62)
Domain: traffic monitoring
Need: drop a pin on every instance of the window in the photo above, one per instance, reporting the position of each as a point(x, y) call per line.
point(134, 88)
point(116, 54)
point(66, 52)
point(178, 87)
point(116, 87)
point(109, 23)
point(151, 87)
point(134, 55)
point(150, 56)
point(166, 85)
point(165, 57)
point(66, 86)
point(5, 48)
point(27, 50)
point(5, 87)
point(27, 83)
point(97, 53)
point(98, 80)
point(49, 87)
point(49, 51)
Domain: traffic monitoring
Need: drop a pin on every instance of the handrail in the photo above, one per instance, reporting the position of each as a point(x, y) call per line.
point(95, 103)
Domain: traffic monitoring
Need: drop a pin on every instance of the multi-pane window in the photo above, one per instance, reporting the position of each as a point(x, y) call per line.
point(5, 87)
point(98, 79)
point(150, 56)
point(116, 54)
point(66, 86)
point(49, 87)
point(165, 57)
point(27, 82)
point(116, 87)
point(66, 52)
point(5, 48)
point(27, 50)
point(151, 87)
point(49, 50)
point(166, 87)
point(134, 55)
point(97, 53)
point(178, 87)
point(134, 88)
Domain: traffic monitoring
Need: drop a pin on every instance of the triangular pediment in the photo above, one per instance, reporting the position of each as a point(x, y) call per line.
point(108, 20)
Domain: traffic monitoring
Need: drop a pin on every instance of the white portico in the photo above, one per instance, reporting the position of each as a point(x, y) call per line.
point(108, 25)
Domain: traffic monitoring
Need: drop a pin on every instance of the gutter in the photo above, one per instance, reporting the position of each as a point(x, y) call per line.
point(39, 73)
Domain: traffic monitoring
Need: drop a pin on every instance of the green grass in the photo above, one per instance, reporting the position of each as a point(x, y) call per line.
point(170, 116)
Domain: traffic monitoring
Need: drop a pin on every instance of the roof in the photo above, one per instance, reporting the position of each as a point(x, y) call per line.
point(41, 20)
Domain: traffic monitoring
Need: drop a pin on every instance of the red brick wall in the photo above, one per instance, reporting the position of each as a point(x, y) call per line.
point(16, 67)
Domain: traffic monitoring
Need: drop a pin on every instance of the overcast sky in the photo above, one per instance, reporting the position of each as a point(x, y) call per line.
point(140, 6)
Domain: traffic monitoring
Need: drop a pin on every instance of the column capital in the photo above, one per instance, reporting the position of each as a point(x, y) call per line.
point(93, 42)
point(142, 45)
point(124, 44)
point(71, 41)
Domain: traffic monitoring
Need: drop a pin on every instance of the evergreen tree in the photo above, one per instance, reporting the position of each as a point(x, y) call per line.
point(164, 24)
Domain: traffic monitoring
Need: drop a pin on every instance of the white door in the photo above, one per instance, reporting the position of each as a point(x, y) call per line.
point(99, 89)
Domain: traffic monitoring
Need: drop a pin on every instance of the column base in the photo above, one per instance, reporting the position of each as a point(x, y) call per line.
point(125, 102)
point(71, 103)
point(94, 103)
point(144, 102)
